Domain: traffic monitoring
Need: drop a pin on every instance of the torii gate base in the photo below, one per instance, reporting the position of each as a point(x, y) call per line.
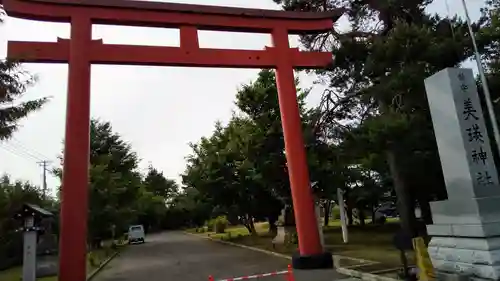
point(80, 51)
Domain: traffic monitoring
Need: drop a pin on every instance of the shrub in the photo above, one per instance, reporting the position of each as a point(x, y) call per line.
point(335, 213)
point(210, 224)
point(93, 259)
point(221, 224)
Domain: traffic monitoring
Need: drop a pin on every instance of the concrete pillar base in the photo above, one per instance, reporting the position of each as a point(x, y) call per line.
point(315, 267)
point(320, 261)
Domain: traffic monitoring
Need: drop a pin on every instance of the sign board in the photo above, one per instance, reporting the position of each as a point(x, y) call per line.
point(461, 134)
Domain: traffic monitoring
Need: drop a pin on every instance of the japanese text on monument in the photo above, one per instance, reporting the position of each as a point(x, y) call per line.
point(475, 133)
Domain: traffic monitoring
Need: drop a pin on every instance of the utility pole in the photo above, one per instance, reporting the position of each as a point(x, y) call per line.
point(44, 165)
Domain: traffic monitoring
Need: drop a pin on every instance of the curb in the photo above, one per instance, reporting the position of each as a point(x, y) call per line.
point(363, 275)
point(358, 265)
point(103, 264)
point(242, 246)
point(341, 270)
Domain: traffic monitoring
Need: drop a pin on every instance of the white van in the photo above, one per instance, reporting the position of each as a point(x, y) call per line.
point(136, 234)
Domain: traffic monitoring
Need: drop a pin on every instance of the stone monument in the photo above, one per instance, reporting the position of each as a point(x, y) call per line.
point(466, 231)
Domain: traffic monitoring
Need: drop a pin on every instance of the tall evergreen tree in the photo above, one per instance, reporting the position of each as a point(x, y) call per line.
point(380, 64)
point(13, 84)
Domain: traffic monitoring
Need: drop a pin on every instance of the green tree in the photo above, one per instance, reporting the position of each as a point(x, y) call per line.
point(188, 208)
point(156, 194)
point(259, 105)
point(221, 173)
point(241, 168)
point(13, 84)
point(151, 210)
point(115, 184)
point(379, 66)
point(156, 183)
point(13, 194)
point(491, 14)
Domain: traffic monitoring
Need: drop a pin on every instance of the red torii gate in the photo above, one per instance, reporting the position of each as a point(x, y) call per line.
point(80, 51)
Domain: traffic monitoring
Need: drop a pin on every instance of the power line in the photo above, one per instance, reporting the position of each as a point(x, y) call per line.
point(25, 147)
point(18, 153)
point(20, 149)
point(23, 153)
point(30, 157)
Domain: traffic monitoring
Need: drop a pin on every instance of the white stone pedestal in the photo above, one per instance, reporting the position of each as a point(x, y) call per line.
point(466, 237)
point(466, 231)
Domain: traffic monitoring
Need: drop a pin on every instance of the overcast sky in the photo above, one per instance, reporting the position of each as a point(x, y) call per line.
point(159, 110)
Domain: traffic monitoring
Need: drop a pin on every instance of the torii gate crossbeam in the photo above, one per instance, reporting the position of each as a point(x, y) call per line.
point(80, 51)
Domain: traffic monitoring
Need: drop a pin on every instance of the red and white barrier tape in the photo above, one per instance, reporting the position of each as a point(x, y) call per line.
point(256, 276)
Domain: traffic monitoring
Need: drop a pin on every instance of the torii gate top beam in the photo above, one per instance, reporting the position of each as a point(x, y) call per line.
point(173, 15)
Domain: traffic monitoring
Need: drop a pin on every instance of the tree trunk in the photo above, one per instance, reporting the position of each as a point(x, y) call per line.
point(374, 220)
point(247, 226)
point(247, 221)
point(404, 202)
point(350, 217)
point(96, 243)
point(349, 208)
point(361, 216)
point(327, 208)
point(425, 210)
point(252, 227)
point(273, 228)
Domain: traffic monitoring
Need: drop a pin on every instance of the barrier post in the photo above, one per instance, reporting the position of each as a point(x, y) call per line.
point(290, 273)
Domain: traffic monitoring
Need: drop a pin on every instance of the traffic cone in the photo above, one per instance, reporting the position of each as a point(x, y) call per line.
point(290, 273)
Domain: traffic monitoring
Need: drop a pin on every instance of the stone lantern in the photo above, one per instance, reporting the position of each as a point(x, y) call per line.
point(31, 216)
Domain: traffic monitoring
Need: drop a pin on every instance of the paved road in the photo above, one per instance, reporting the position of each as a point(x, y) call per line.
point(175, 256)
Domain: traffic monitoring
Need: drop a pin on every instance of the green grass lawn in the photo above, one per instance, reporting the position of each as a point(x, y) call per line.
point(98, 256)
point(371, 242)
point(14, 274)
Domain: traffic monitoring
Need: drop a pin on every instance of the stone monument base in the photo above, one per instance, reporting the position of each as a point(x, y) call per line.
point(466, 238)
point(475, 257)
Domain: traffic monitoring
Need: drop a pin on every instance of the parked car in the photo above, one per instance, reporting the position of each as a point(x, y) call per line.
point(389, 210)
point(136, 234)
point(384, 211)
